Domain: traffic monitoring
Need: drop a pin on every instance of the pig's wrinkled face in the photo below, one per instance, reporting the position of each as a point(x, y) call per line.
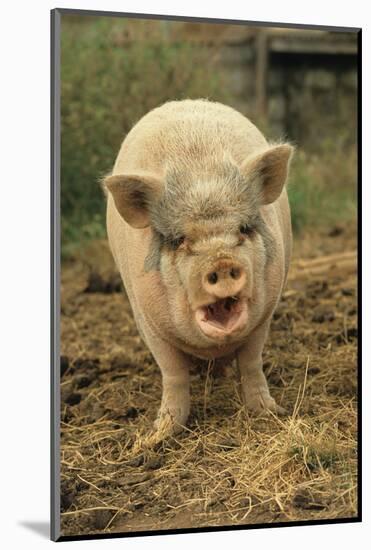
point(211, 243)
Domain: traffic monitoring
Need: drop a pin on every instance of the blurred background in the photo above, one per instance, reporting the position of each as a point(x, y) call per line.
point(299, 85)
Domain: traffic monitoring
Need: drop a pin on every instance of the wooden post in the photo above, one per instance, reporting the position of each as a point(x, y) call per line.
point(261, 69)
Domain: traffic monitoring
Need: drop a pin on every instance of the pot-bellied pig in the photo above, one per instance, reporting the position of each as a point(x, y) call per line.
point(199, 226)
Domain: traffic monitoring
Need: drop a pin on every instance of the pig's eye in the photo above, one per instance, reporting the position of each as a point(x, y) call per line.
point(246, 230)
point(175, 243)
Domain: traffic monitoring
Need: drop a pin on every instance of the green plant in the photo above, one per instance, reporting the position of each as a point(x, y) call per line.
point(113, 71)
point(107, 84)
point(322, 187)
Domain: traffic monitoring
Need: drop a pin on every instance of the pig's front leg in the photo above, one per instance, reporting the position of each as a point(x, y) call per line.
point(255, 391)
point(175, 402)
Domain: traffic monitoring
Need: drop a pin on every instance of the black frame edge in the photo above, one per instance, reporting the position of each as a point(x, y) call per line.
point(359, 267)
point(211, 529)
point(185, 18)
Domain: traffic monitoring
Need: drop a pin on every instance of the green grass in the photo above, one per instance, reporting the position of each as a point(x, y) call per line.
point(322, 189)
point(108, 84)
point(316, 455)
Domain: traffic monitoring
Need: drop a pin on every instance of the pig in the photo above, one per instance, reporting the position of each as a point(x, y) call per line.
point(198, 223)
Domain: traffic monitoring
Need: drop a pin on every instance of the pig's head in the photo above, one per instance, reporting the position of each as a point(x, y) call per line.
point(209, 241)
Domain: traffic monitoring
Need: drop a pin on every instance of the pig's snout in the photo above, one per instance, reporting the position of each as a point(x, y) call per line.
point(226, 278)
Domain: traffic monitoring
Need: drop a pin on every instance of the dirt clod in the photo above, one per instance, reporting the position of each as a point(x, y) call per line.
point(84, 380)
point(323, 314)
point(86, 363)
point(131, 412)
point(133, 479)
point(101, 518)
point(64, 364)
point(97, 283)
point(73, 398)
point(305, 500)
point(136, 461)
point(336, 231)
point(67, 499)
point(154, 463)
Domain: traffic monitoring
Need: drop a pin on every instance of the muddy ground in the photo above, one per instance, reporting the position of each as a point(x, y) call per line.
point(227, 468)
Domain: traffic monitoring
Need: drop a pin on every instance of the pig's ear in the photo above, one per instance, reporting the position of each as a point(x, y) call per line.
point(271, 168)
point(132, 194)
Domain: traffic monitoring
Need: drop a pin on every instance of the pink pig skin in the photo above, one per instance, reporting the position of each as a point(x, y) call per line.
point(160, 306)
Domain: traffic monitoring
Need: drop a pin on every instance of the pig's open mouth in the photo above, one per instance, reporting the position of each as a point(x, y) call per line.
point(223, 317)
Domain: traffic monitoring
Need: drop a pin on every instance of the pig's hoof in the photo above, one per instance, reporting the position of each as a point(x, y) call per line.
point(281, 411)
point(169, 423)
point(260, 404)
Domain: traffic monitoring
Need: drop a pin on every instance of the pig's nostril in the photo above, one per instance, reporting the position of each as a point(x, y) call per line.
point(212, 278)
point(235, 273)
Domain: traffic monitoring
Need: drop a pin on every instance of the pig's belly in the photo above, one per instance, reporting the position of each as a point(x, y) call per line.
point(212, 352)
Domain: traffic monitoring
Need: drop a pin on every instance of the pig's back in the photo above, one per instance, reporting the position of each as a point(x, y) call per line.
point(192, 130)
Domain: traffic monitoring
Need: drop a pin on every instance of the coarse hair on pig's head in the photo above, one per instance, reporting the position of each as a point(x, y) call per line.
point(209, 237)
